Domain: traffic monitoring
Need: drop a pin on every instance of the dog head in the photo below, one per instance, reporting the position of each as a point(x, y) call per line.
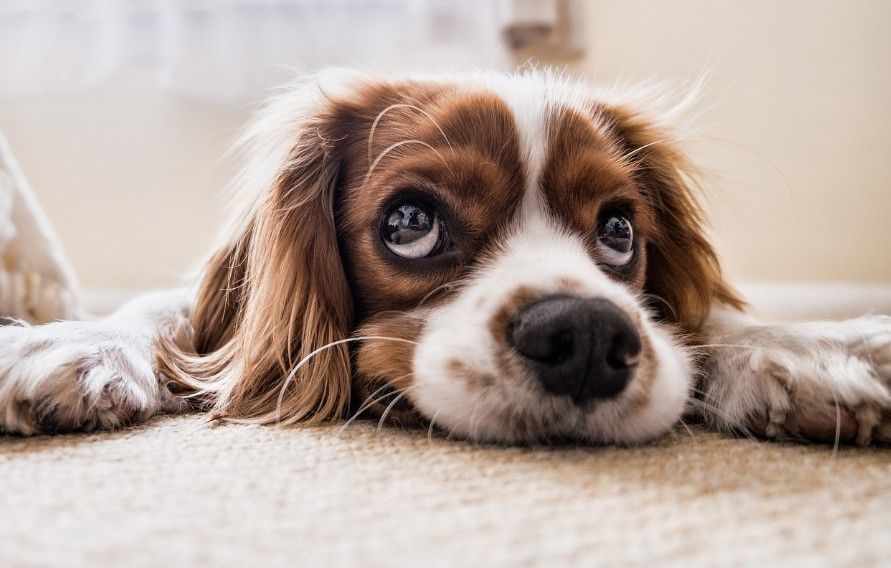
point(511, 257)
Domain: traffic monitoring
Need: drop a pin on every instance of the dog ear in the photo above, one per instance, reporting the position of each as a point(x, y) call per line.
point(683, 270)
point(274, 299)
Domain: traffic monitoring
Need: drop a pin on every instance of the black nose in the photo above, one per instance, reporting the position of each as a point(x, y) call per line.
point(582, 348)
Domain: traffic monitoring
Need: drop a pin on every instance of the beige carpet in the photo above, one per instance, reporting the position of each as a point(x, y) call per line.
point(179, 492)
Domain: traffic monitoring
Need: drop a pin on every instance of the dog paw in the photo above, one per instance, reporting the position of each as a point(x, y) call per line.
point(819, 381)
point(76, 376)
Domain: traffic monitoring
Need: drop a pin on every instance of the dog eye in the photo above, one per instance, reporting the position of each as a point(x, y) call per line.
point(412, 230)
point(615, 240)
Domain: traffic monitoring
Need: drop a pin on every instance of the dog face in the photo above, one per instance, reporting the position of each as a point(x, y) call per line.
point(487, 245)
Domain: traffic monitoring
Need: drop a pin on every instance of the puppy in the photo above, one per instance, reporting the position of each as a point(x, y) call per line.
point(512, 258)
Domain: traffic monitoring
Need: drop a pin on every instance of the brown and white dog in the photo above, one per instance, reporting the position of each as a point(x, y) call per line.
point(512, 258)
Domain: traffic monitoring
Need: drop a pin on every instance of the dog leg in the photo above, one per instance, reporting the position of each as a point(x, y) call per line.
point(816, 380)
point(74, 375)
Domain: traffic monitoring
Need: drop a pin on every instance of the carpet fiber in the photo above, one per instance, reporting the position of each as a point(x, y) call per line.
point(180, 492)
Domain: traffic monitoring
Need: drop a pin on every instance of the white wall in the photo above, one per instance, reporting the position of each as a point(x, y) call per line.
point(797, 139)
point(131, 175)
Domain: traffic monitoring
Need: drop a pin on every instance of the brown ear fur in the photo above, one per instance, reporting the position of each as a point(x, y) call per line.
point(683, 270)
point(275, 291)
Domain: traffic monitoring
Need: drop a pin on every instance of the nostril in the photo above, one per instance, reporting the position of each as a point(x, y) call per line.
point(618, 359)
point(623, 352)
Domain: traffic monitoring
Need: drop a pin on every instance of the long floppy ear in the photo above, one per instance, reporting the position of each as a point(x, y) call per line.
point(275, 292)
point(682, 267)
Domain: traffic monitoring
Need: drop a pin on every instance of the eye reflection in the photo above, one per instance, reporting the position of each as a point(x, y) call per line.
point(412, 230)
point(615, 240)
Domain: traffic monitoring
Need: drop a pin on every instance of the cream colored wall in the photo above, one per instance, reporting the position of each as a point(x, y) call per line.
point(129, 175)
point(797, 142)
point(797, 139)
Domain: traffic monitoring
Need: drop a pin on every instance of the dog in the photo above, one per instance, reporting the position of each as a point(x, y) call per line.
point(510, 258)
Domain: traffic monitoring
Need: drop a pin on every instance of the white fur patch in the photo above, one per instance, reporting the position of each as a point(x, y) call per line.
point(805, 379)
point(87, 375)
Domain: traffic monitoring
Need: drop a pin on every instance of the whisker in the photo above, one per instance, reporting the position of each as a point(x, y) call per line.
point(756, 153)
point(293, 373)
point(689, 432)
point(739, 345)
point(395, 145)
point(702, 349)
point(368, 403)
point(445, 286)
point(698, 391)
point(383, 418)
point(837, 441)
point(410, 106)
point(630, 154)
point(674, 312)
point(430, 429)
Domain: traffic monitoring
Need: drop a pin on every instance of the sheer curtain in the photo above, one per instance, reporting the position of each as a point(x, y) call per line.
point(231, 50)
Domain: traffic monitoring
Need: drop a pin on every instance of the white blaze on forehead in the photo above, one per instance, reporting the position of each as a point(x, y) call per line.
point(528, 101)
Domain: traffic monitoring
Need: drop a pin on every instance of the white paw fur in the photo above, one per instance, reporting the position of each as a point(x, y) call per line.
point(81, 376)
point(818, 380)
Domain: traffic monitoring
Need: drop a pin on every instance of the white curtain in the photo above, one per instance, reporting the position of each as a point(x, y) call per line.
point(232, 50)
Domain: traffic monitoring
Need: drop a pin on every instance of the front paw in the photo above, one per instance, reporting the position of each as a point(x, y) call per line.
point(820, 381)
point(76, 376)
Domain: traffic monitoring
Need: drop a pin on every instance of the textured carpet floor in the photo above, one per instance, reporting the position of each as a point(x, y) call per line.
point(179, 492)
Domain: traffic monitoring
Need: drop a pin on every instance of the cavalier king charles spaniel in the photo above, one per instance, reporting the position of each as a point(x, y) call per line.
point(507, 258)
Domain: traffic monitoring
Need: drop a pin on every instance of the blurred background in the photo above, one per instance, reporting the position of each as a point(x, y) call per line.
point(120, 112)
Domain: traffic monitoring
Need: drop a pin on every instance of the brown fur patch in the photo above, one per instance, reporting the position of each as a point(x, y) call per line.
point(584, 174)
point(465, 162)
point(387, 363)
point(474, 378)
point(521, 297)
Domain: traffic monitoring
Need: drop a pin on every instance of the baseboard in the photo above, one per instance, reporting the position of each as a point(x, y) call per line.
point(795, 301)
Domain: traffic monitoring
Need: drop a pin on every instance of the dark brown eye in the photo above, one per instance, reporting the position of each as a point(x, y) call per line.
point(413, 230)
point(615, 240)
